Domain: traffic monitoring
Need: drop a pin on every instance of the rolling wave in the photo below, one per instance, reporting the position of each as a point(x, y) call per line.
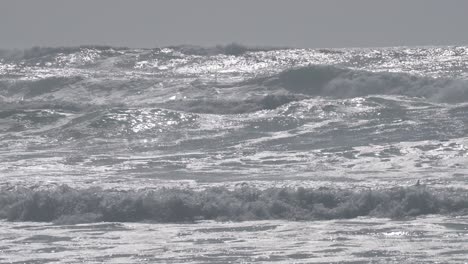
point(263, 93)
point(68, 205)
point(336, 82)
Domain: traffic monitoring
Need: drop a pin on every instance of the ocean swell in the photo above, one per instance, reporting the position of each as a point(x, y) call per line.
point(68, 205)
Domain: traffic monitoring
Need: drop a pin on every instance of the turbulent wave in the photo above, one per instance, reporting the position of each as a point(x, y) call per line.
point(68, 205)
point(230, 113)
point(339, 82)
point(263, 93)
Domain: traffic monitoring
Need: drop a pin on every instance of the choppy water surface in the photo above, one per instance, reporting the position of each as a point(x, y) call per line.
point(425, 240)
point(330, 155)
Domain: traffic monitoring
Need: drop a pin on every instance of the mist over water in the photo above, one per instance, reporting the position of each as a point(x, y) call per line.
point(190, 135)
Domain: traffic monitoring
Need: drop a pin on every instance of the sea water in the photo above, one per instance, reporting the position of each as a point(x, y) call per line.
point(234, 155)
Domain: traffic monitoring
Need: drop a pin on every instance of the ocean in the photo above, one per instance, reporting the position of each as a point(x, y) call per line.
point(234, 154)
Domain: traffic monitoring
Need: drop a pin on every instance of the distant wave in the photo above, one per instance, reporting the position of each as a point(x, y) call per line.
point(46, 52)
point(68, 205)
point(37, 52)
point(235, 49)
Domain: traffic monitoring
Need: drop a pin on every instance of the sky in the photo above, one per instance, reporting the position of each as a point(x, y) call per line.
point(292, 23)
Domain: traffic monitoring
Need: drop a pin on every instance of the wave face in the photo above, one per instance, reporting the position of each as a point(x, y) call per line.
point(299, 125)
point(67, 205)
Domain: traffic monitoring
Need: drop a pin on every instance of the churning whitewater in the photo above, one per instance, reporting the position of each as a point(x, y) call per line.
point(216, 146)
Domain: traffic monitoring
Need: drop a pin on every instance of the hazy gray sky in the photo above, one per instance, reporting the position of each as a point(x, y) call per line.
point(299, 23)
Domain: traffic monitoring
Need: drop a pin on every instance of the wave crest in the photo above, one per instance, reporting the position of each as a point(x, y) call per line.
point(68, 205)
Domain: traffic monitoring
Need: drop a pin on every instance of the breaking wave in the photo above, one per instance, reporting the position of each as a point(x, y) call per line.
point(332, 81)
point(68, 205)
